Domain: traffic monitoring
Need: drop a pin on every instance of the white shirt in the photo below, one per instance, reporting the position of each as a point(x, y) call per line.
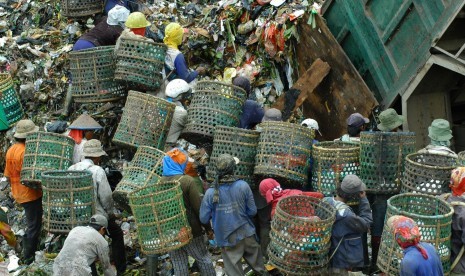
point(440, 150)
point(78, 148)
point(177, 124)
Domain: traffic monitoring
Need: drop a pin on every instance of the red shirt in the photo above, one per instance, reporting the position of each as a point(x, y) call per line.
point(14, 163)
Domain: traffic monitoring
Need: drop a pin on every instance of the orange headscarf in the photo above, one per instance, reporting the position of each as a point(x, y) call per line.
point(457, 181)
point(77, 135)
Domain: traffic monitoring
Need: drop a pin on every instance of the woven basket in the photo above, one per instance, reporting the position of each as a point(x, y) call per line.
point(146, 121)
point(68, 200)
point(461, 159)
point(45, 152)
point(93, 73)
point(213, 104)
point(160, 216)
point(10, 100)
point(332, 161)
point(140, 62)
point(299, 244)
point(80, 8)
point(428, 173)
point(240, 143)
point(434, 218)
point(145, 169)
point(382, 158)
point(283, 152)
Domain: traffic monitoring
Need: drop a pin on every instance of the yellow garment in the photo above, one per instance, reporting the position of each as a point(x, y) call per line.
point(173, 35)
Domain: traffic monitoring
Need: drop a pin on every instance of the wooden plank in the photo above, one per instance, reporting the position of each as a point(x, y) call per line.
point(342, 92)
point(307, 83)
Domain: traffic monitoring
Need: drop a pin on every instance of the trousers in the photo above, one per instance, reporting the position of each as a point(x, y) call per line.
point(197, 250)
point(33, 211)
point(117, 245)
point(248, 249)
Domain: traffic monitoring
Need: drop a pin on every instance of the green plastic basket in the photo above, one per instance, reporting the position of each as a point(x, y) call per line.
point(68, 200)
point(428, 173)
point(145, 169)
point(283, 152)
point(10, 100)
point(213, 104)
point(45, 152)
point(160, 216)
point(240, 143)
point(299, 243)
point(433, 217)
point(146, 121)
point(140, 62)
point(332, 161)
point(382, 158)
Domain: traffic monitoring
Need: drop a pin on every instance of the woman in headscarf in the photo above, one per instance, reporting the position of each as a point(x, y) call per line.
point(175, 63)
point(420, 258)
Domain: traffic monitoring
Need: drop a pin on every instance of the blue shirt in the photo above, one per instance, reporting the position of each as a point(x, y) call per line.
point(252, 114)
point(413, 263)
point(232, 215)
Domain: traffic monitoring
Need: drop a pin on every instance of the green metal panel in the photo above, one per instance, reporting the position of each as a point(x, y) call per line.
point(389, 41)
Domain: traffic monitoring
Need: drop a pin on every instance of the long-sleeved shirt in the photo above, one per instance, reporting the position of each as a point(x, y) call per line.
point(102, 189)
point(82, 247)
point(252, 114)
point(192, 200)
point(346, 236)
point(458, 231)
point(413, 263)
point(175, 61)
point(177, 124)
point(14, 164)
point(78, 148)
point(103, 34)
point(232, 215)
point(440, 150)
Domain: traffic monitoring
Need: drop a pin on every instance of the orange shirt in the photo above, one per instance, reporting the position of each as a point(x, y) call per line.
point(14, 163)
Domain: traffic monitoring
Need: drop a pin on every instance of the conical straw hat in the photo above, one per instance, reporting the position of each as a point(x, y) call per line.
point(85, 122)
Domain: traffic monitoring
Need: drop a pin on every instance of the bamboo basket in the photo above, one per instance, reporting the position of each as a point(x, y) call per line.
point(428, 173)
point(160, 216)
point(283, 152)
point(81, 8)
point(299, 242)
point(68, 200)
point(461, 159)
point(433, 217)
point(213, 104)
point(10, 100)
point(240, 143)
point(332, 161)
point(93, 73)
point(146, 121)
point(382, 158)
point(45, 152)
point(145, 169)
point(140, 62)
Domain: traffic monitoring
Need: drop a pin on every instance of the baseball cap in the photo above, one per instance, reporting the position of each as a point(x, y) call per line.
point(272, 114)
point(312, 124)
point(357, 120)
point(352, 184)
point(99, 220)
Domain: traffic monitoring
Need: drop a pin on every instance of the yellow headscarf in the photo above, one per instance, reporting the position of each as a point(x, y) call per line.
point(173, 35)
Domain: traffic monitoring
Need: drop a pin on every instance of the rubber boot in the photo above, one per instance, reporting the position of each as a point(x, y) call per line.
point(28, 251)
point(375, 243)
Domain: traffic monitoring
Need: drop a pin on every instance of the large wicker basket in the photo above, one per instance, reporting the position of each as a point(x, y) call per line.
point(238, 142)
point(428, 173)
point(45, 152)
point(382, 157)
point(213, 104)
point(140, 62)
point(300, 235)
point(81, 8)
point(10, 100)
point(434, 218)
point(461, 158)
point(283, 152)
point(332, 161)
point(68, 200)
point(93, 72)
point(146, 121)
point(145, 169)
point(160, 217)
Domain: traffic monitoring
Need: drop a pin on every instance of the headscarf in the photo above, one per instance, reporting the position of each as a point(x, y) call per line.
point(173, 35)
point(174, 162)
point(77, 135)
point(406, 233)
point(269, 189)
point(457, 181)
point(243, 83)
point(224, 167)
point(440, 143)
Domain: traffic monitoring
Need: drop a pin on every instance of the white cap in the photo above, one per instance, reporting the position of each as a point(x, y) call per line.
point(176, 87)
point(312, 124)
point(118, 14)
